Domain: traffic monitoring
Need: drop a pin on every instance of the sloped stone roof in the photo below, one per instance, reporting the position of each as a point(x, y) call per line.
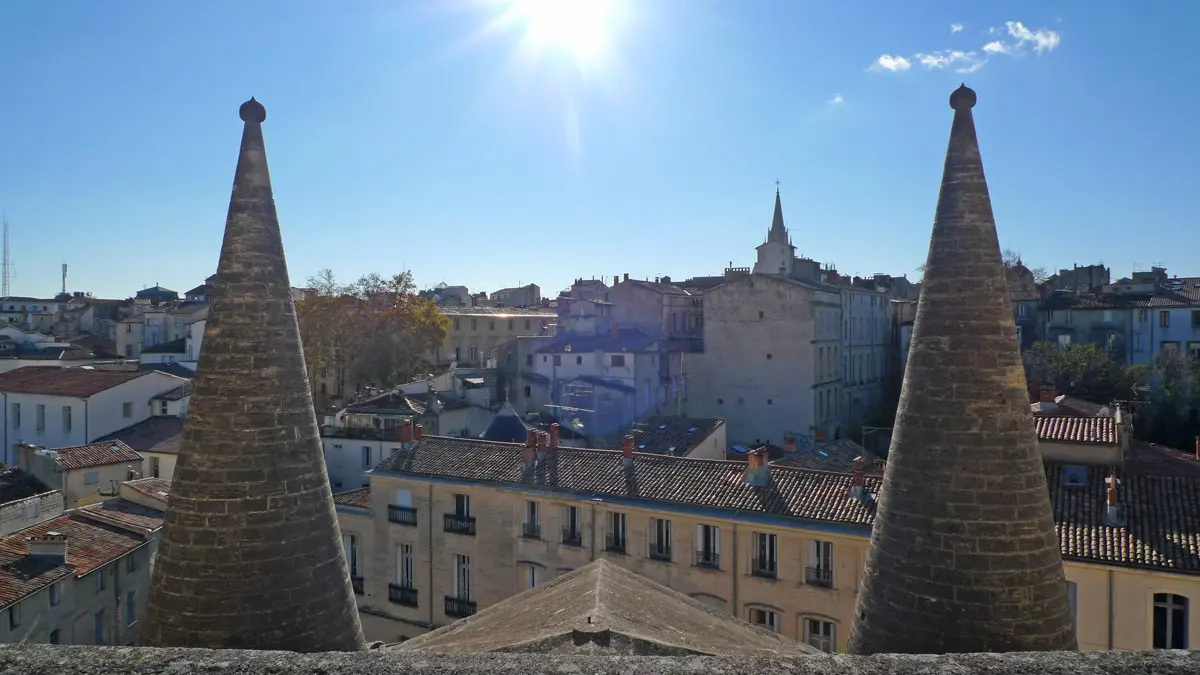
point(602, 608)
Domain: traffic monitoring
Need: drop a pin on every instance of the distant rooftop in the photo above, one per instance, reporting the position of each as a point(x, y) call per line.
point(533, 312)
point(668, 435)
point(95, 454)
point(58, 381)
point(16, 484)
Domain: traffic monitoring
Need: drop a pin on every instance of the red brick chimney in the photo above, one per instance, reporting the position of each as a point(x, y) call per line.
point(858, 479)
point(553, 436)
point(417, 432)
point(627, 451)
point(758, 470)
point(527, 452)
point(1113, 515)
point(406, 431)
point(789, 444)
point(1046, 394)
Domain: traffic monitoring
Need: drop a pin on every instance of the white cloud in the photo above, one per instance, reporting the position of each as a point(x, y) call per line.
point(955, 27)
point(997, 47)
point(1043, 39)
point(961, 62)
point(895, 64)
point(836, 100)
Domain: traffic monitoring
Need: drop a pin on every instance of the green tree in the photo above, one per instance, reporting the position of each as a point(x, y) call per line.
point(1085, 370)
point(1169, 414)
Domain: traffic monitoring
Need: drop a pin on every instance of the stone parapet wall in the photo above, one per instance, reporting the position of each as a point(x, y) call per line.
point(45, 659)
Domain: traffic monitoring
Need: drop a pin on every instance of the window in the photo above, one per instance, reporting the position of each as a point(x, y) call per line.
point(127, 409)
point(14, 616)
point(98, 632)
point(1064, 340)
point(572, 533)
point(533, 576)
point(1196, 318)
point(66, 417)
point(16, 415)
point(529, 359)
point(492, 324)
point(708, 546)
point(660, 539)
point(32, 509)
point(350, 546)
point(766, 556)
point(131, 565)
point(40, 416)
point(1170, 620)
point(558, 359)
point(456, 326)
point(54, 637)
point(618, 360)
point(578, 360)
point(130, 608)
point(614, 539)
point(101, 580)
point(526, 324)
point(462, 577)
point(765, 618)
point(819, 634)
point(462, 506)
point(528, 391)
point(162, 408)
point(91, 478)
point(760, 314)
point(1072, 598)
point(154, 467)
point(474, 324)
point(1194, 350)
point(55, 595)
point(404, 566)
point(531, 529)
point(366, 455)
point(1108, 316)
point(1164, 319)
point(820, 560)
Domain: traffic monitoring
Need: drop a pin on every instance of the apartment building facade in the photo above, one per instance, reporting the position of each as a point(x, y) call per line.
point(454, 525)
point(475, 333)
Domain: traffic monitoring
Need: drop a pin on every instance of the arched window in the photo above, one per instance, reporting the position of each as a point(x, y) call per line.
point(1170, 621)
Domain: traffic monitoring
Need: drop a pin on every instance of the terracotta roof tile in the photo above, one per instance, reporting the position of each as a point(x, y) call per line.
point(158, 489)
point(95, 454)
point(360, 498)
point(57, 381)
point(89, 545)
point(123, 513)
point(1090, 430)
point(794, 493)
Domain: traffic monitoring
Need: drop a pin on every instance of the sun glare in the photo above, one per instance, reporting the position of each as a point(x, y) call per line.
point(576, 26)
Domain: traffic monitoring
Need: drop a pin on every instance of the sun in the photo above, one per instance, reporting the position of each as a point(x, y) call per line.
point(575, 26)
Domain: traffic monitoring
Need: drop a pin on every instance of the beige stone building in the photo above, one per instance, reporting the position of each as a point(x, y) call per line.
point(85, 474)
point(453, 525)
point(81, 577)
point(475, 332)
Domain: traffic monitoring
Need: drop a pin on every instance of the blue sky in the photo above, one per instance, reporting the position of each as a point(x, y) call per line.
point(430, 135)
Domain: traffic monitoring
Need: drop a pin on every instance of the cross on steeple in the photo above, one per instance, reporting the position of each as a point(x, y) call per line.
point(777, 185)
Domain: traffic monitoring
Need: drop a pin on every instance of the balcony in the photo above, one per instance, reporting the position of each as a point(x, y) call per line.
point(402, 515)
point(402, 595)
point(531, 531)
point(357, 583)
point(708, 560)
point(660, 552)
point(767, 569)
point(459, 607)
point(614, 543)
point(572, 537)
point(818, 576)
point(456, 524)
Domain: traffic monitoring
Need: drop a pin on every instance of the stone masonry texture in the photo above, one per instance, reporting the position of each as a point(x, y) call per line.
point(54, 660)
point(251, 554)
point(963, 555)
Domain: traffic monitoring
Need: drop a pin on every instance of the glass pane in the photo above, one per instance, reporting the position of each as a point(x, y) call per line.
point(1160, 627)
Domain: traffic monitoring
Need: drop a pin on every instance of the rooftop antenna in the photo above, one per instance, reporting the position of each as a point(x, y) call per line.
point(4, 269)
point(64, 288)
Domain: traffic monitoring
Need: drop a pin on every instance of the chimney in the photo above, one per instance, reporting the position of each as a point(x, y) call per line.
point(758, 471)
point(858, 479)
point(627, 276)
point(789, 445)
point(51, 547)
point(527, 452)
point(1046, 394)
point(553, 437)
point(543, 440)
point(406, 431)
point(627, 452)
point(880, 465)
point(1113, 515)
point(417, 429)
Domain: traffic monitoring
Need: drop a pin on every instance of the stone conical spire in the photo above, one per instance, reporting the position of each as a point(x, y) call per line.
point(964, 555)
point(778, 232)
point(251, 554)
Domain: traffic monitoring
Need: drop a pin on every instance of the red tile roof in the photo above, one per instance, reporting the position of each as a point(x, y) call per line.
point(59, 381)
point(1090, 430)
point(95, 454)
point(89, 545)
point(360, 498)
point(124, 514)
point(158, 489)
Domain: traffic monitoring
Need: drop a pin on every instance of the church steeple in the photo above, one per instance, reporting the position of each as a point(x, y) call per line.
point(964, 556)
point(251, 553)
point(778, 233)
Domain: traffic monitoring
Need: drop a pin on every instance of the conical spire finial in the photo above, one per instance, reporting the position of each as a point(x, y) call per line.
point(251, 554)
point(778, 232)
point(964, 556)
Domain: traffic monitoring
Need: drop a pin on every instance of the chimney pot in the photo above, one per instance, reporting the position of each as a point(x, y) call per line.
point(417, 431)
point(627, 447)
point(627, 276)
point(789, 444)
point(531, 438)
point(1047, 394)
point(553, 436)
point(51, 546)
